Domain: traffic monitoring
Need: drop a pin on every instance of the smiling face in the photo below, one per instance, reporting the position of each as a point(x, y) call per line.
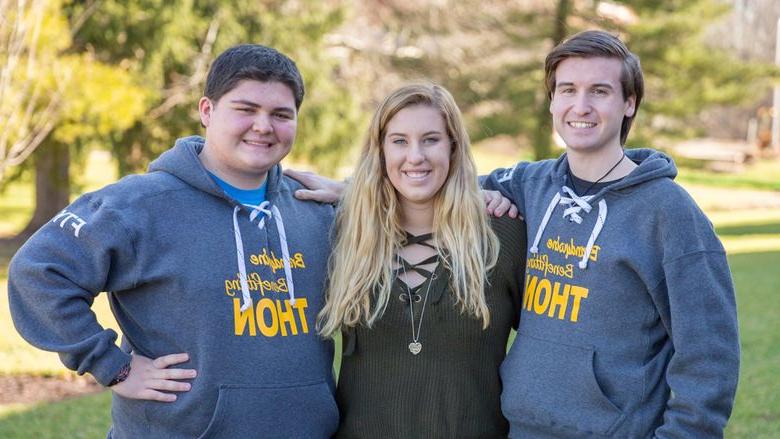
point(417, 153)
point(588, 105)
point(249, 129)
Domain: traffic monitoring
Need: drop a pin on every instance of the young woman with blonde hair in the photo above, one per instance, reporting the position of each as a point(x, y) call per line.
point(423, 285)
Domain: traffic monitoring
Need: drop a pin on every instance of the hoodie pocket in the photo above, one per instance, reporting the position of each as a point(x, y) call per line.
point(554, 385)
point(305, 410)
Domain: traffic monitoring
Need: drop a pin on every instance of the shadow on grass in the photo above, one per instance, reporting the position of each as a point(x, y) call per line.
point(84, 417)
point(749, 229)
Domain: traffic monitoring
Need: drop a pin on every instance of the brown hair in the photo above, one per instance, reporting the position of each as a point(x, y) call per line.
point(252, 62)
point(596, 43)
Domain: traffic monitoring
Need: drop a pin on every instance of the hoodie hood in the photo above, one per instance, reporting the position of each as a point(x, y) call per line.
point(627, 299)
point(182, 162)
point(652, 165)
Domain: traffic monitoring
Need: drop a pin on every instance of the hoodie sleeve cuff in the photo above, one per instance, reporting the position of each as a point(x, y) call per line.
point(107, 367)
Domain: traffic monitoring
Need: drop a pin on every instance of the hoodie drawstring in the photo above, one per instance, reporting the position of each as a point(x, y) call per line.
point(545, 220)
point(247, 299)
point(285, 250)
point(274, 211)
point(594, 233)
point(575, 205)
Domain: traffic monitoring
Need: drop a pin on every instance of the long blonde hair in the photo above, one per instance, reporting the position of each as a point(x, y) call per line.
point(369, 232)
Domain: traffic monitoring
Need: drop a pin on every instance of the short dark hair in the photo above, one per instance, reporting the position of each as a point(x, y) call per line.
point(596, 43)
point(253, 62)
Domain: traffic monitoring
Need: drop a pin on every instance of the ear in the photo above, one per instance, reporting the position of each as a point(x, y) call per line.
point(205, 107)
point(630, 106)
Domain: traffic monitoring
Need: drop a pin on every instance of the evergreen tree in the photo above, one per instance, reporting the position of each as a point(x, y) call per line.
point(490, 53)
point(169, 44)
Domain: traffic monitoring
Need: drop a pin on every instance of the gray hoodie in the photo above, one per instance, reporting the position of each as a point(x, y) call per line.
point(629, 325)
point(189, 269)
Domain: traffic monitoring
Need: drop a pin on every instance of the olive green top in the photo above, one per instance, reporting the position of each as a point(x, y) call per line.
point(452, 387)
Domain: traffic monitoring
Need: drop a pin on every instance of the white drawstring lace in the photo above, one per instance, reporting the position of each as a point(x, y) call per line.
point(274, 211)
point(247, 299)
point(594, 233)
point(575, 205)
point(545, 220)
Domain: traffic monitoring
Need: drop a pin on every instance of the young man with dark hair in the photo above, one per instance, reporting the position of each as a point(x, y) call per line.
point(628, 325)
point(210, 267)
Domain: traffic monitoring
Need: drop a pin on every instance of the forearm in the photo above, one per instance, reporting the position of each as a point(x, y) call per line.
point(53, 280)
point(703, 371)
point(54, 317)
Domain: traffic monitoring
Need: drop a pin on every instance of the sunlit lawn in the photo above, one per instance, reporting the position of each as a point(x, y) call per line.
point(752, 238)
point(761, 175)
point(84, 417)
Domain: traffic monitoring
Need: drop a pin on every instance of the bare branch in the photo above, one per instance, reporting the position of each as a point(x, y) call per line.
point(75, 27)
point(180, 91)
point(28, 113)
point(43, 127)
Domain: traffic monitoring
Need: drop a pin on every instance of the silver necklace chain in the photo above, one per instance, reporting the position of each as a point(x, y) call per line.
point(415, 346)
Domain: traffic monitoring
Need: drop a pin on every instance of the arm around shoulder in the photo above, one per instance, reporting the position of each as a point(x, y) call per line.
point(507, 181)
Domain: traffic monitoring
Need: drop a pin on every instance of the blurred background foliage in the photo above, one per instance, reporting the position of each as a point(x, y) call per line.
point(95, 89)
point(125, 76)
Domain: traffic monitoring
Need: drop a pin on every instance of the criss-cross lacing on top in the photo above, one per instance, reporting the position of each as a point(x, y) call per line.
point(405, 266)
point(575, 205)
point(267, 212)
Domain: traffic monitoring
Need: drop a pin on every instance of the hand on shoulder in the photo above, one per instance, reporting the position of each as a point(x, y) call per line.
point(319, 188)
point(498, 205)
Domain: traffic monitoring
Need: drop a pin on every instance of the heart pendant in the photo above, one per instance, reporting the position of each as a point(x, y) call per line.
point(415, 347)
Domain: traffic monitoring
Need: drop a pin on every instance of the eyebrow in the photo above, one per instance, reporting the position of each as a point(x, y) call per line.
point(596, 85)
point(255, 105)
point(427, 133)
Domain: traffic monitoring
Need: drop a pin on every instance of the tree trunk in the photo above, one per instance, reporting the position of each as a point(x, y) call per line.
point(52, 185)
point(542, 137)
point(562, 13)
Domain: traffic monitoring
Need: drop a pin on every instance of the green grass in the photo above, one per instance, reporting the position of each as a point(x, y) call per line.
point(16, 204)
point(762, 175)
point(751, 237)
point(750, 229)
point(757, 408)
point(84, 417)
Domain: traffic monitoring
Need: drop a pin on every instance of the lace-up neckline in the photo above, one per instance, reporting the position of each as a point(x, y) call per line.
point(407, 267)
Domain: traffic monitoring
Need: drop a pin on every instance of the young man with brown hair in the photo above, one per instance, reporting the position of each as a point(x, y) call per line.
point(629, 325)
point(210, 269)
